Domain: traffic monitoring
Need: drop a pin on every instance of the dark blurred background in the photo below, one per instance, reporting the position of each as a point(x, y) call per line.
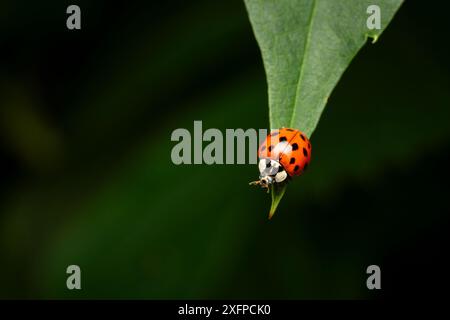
point(86, 175)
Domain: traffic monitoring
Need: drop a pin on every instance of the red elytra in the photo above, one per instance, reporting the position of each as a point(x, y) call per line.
point(290, 147)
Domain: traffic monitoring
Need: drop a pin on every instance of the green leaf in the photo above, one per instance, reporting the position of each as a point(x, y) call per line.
point(306, 46)
point(277, 191)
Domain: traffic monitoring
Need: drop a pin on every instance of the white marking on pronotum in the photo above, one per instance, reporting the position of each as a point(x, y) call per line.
point(280, 176)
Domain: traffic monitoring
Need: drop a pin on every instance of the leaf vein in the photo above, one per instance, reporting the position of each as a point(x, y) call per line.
point(302, 62)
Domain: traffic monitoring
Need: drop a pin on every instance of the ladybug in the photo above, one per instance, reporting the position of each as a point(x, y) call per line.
point(285, 153)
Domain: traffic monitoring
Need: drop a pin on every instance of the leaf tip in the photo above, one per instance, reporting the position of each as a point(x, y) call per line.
point(277, 194)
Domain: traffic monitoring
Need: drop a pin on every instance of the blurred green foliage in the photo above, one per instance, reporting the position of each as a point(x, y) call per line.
point(85, 126)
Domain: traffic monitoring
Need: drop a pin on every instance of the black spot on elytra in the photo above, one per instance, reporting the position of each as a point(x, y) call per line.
point(283, 139)
point(292, 161)
point(270, 148)
point(273, 134)
point(294, 146)
point(303, 138)
point(305, 153)
point(290, 130)
point(296, 168)
point(305, 167)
